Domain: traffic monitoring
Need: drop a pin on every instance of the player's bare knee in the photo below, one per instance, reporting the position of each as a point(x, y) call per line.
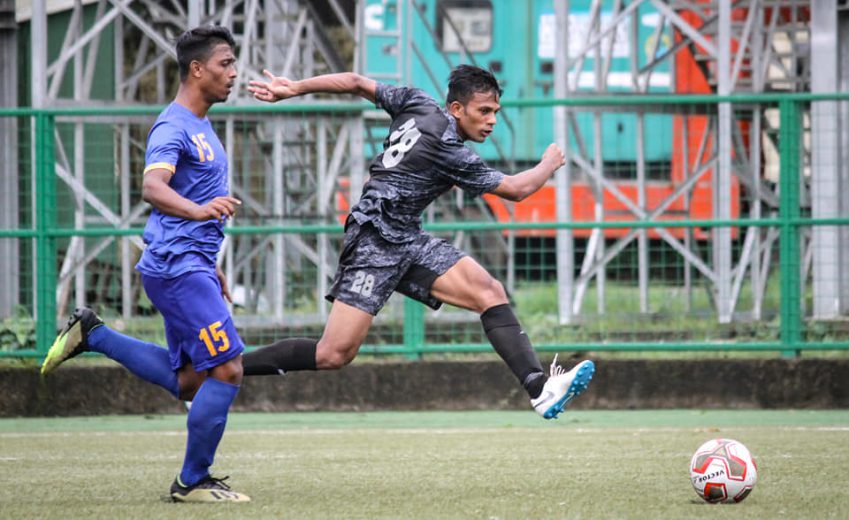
point(229, 372)
point(189, 382)
point(188, 389)
point(338, 359)
point(334, 357)
point(488, 294)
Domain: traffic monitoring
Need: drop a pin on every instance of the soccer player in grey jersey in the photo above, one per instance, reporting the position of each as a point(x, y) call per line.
point(385, 248)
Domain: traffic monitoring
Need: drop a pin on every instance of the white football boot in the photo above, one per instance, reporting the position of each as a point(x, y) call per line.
point(562, 387)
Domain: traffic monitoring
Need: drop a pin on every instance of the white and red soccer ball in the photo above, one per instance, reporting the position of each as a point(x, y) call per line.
point(723, 470)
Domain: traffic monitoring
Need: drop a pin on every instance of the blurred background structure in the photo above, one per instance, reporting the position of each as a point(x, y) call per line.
point(702, 137)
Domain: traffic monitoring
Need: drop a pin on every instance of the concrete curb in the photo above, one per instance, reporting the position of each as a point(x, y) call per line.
point(441, 385)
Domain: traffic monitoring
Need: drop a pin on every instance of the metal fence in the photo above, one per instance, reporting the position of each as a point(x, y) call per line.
point(699, 233)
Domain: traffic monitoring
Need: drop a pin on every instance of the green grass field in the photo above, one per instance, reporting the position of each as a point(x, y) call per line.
point(593, 464)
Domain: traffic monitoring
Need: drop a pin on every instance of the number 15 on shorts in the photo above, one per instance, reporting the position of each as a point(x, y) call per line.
point(215, 339)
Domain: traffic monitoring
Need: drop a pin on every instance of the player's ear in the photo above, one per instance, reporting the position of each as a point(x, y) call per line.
point(455, 108)
point(195, 68)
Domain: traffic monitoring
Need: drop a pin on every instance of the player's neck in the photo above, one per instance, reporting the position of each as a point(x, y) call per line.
point(193, 100)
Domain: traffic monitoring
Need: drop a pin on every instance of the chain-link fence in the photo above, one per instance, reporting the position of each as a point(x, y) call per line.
point(697, 223)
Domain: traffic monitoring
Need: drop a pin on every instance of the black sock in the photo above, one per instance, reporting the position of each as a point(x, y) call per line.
point(284, 356)
point(512, 344)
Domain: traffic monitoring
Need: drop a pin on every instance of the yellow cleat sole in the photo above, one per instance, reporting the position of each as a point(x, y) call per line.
point(61, 349)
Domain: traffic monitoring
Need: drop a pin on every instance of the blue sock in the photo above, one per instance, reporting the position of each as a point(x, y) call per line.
point(146, 360)
point(207, 419)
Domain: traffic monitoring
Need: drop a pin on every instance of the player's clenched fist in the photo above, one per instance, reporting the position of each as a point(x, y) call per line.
point(553, 157)
point(218, 208)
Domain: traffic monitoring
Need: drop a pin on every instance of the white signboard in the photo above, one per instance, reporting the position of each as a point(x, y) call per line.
point(474, 26)
point(579, 26)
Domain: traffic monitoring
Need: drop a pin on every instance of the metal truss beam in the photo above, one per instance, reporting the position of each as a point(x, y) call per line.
point(144, 32)
point(763, 46)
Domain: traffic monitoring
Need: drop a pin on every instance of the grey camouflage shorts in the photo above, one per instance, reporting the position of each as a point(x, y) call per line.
point(371, 268)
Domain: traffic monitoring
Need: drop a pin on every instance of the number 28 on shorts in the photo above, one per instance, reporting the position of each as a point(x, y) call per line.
point(363, 283)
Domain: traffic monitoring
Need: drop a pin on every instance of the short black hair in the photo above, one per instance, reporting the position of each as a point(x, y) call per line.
point(197, 45)
point(467, 80)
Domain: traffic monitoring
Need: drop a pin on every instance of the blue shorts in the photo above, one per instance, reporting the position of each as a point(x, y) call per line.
point(198, 325)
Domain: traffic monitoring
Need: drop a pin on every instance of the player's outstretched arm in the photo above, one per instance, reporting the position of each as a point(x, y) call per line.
point(278, 87)
point(157, 193)
point(524, 184)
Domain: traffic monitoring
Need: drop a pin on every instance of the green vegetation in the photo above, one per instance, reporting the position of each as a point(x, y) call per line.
point(18, 331)
point(426, 465)
point(675, 316)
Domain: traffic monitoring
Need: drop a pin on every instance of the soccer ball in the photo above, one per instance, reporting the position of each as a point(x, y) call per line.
point(723, 470)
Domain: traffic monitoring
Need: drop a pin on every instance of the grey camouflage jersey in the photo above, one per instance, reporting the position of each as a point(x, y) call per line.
point(422, 158)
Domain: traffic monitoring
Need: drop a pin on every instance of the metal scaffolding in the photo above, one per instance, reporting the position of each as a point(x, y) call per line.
point(741, 46)
point(746, 46)
point(302, 158)
point(829, 167)
point(9, 250)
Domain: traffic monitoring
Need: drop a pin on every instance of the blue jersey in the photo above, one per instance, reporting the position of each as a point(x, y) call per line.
point(187, 146)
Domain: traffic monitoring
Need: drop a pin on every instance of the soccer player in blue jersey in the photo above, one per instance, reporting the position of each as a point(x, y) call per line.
point(185, 180)
point(385, 248)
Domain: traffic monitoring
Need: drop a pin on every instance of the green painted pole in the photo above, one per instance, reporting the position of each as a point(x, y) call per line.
point(311, 229)
point(45, 244)
point(640, 346)
point(790, 256)
point(414, 328)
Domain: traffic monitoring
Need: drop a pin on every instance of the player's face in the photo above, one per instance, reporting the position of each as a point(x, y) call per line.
point(476, 118)
point(219, 73)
